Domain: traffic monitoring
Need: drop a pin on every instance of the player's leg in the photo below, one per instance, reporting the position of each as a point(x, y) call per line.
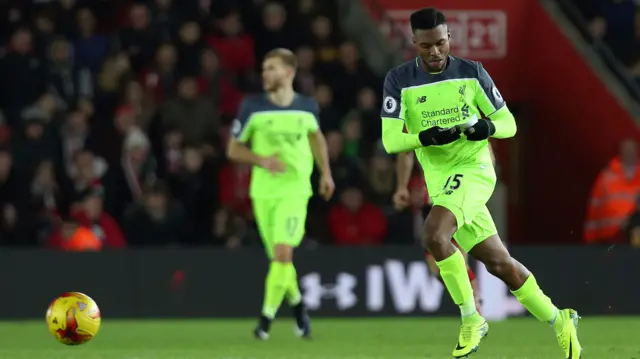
point(472, 277)
point(435, 271)
point(463, 195)
point(439, 228)
point(289, 227)
point(524, 286)
point(296, 211)
point(263, 213)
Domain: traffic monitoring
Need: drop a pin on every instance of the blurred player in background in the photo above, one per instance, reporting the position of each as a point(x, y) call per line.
point(401, 200)
point(277, 132)
point(440, 100)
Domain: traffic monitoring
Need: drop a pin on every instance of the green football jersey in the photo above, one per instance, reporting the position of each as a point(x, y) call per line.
point(461, 93)
point(283, 131)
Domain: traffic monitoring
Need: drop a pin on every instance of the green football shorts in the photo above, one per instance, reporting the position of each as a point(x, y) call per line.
point(280, 220)
point(465, 192)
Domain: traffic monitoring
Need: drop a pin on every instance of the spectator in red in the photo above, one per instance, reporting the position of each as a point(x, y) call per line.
point(160, 79)
point(70, 236)
point(354, 221)
point(91, 215)
point(216, 86)
point(233, 192)
point(234, 46)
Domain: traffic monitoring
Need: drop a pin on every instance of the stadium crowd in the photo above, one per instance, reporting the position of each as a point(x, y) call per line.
point(115, 117)
point(613, 213)
point(617, 23)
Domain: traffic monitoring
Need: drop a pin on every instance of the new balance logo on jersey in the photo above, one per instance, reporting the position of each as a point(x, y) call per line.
point(421, 99)
point(342, 291)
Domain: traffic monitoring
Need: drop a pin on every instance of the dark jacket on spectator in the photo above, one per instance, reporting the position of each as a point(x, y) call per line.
point(143, 230)
point(196, 119)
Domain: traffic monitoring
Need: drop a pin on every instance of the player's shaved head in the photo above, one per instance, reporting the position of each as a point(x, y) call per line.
point(431, 38)
point(427, 19)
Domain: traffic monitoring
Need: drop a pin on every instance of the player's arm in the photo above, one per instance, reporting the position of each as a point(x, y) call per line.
point(320, 152)
point(491, 103)
point(404, 167)
point(237, 149)
point(318, 145)
point(394, 139)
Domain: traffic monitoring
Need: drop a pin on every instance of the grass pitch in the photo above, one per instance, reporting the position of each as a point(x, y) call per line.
point(400, 338)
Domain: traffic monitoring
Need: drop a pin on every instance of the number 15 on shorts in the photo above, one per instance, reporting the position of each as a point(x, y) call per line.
point(452, 184)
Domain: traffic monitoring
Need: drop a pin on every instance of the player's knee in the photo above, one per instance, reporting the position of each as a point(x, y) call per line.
point(500, 266)
point(434, 235)
point(283, 253)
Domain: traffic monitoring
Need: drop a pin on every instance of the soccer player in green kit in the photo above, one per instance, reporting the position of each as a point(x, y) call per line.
point(277, 132)
point(440, 99)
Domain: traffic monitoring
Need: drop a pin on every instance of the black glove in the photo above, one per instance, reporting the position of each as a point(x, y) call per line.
point(438, 136)
point(482, 130)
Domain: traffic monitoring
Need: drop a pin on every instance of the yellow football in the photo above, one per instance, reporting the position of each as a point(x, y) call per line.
point(73, 318)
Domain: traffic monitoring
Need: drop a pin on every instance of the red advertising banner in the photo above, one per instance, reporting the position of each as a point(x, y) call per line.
point(477, 34)
point(491, 31)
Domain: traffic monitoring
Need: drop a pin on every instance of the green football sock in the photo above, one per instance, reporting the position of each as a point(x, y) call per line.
point(535, 301)
point(453, 271)
point(293, 291)
point(276, 285)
